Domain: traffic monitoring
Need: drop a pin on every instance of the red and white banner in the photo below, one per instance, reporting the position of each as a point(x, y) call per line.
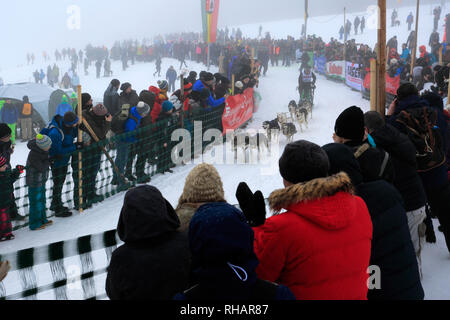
point(238, 110)
point(336, 70)
point(392, 84)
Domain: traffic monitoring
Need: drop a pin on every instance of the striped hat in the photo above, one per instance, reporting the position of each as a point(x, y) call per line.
point(43, 142)
point(3, 161)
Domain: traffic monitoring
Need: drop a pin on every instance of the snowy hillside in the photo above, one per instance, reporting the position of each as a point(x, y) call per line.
point(277, 89)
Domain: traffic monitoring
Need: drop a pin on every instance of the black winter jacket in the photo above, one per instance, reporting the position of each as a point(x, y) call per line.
point(403, 153)
point(111, 100)
point(38, 164)
point(154, 262)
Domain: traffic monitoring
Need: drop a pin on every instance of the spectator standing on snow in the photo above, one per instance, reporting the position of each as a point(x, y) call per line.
point(196, 194)
point(111, 97)
point(25, 120)
point(410, 20)
point(392, 250)
point(154, 262)
point(64, 107)
point(10, 115)
point(223, 259)
point(292, 246)
point(38, 165)
point(62, 131)
point(7, 179)
point(407, 180)
point(171, 77)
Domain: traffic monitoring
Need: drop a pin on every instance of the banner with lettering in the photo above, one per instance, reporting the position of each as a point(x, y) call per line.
point(320, 63)
point(353, 76)
point(392, 84)
point(238, 110)
point(336, 70)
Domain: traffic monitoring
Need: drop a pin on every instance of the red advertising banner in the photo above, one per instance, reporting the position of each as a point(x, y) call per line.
point(392, 84)
point(238, 110)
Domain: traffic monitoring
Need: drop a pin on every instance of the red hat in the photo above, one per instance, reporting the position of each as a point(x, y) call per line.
point(188, 86)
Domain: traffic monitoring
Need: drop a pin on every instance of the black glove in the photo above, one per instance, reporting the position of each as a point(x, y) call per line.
point(253, 205)
point(79, 145)
point(20, 168)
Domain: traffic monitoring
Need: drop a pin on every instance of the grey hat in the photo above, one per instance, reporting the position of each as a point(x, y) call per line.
point(143, 109)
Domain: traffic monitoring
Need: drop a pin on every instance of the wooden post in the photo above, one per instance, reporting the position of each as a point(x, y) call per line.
point(253, 61)
point(373, 85)
point(80, 156)
point(306, 21)
point(381, 74)
point(182, 98)
point(413, 54)
point(448, 96)
point(345, 36)
point(440, 54)
point(233, 78)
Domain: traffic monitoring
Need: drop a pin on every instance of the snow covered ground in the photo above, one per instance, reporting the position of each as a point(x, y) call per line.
point(277, 89)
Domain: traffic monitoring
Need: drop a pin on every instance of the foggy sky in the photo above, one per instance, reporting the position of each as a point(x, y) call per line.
point(34, 25)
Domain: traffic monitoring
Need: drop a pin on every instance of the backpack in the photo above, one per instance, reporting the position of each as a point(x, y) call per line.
point(46, 131)
point(119, 120)
point(420, 124)
point(26, 110)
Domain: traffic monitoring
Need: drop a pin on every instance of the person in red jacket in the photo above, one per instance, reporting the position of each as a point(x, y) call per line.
point(320, 247)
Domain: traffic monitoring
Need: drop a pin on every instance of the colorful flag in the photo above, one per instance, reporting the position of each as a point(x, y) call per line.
point(210, 17)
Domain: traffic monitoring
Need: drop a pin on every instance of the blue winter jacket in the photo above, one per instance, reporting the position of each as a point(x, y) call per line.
point(405, 54)
point(9, 115)
point(131, 125)
point(62, 142)
point(171, 75)
point(63, 108)
point(199, 86)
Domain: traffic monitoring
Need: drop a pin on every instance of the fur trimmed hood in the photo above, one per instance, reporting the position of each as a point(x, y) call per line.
point(310, 191)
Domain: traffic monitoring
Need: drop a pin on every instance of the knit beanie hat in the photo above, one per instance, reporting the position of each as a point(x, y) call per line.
point(143, 109)
point(5, 131)
point(188, 86)
point(125, 86)
point(3, 161)
point(163, 85)
point(167, 106)
point(70, 119)
point(405, 90)
point(350, 124)
point(115, 83)
point(85, 97)
point(43, 142)
point(239, 85)
point(65, 99)
point(73, 96)
point(100, 110)
point(303, 161)
point(208, 76)
point(203, 185)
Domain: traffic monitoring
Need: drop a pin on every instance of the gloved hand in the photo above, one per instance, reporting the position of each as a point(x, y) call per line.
point(79, 145)
point(253, 205)
point(20, 168)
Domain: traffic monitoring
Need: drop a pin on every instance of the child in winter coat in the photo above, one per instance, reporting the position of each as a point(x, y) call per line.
point(7, 179)
point(38, 164)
